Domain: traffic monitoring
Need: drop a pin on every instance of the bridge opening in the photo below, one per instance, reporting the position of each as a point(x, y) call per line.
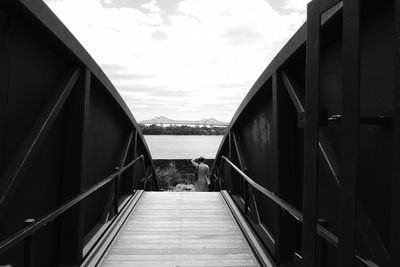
point(306, 175)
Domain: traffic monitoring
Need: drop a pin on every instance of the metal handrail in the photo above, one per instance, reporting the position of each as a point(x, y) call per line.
point(31, 229)
point(298, 215)
point(283, 204)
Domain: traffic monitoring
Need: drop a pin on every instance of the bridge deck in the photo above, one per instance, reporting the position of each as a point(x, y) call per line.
point(180, 229)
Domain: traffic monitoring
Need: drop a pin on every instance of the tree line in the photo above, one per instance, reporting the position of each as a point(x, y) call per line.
point(181, 130)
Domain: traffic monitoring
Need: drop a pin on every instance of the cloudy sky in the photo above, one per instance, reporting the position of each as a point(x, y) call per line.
point(183, 59)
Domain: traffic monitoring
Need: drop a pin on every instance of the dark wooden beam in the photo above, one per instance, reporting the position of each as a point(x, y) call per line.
point(75, 171)
point(126, 180)
point(5, 52)
point(243, 186)
point(230, 146)
point(395, 203)
point(124, 154)
point(229, 179)
point(134, 156)
point(275, 171)
point(296, 96)
point(329, 155)
point(349, 133)
point(311, 137)
point(29, 247)
point(242, 161)
point(365, 224)
point(366, 227)
point(371, 237)
point(112, 196)
point(249, 195)
point(28, 149)
point(293, 90)
point(324, 146)
point(144, 170)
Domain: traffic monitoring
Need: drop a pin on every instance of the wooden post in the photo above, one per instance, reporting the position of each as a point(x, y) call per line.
point(246, 197)
point(311, 135)
point(5, 50)
point(29, 260)
point(395, 205)
point(116, 193)
point(75, 171)
point(134, 156)
point(349, 133)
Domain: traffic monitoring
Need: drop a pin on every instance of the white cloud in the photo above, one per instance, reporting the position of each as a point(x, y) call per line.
point(212, 50)
point(152, 6)
point(298, 5)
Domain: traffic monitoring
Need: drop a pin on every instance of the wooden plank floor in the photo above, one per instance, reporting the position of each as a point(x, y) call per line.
point(180, 229)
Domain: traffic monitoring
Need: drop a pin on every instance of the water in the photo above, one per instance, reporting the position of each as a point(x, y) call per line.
point(183, 146)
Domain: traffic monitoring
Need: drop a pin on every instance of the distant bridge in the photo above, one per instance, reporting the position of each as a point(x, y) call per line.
point(163, 121)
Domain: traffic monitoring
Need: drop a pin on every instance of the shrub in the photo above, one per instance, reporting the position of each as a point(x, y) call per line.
point(172, 179)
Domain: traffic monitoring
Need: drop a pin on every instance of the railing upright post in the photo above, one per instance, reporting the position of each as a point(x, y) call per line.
point(134, 156)
point(323, 245)
point(395, 203)
point(28, 247)
point(116, 184)
point(145, 174)
point(148, 178)
point(246, 197)
point(220, 182)
point(311, 135)
point(230, 189)
point(350, 134)
point(219, 174)
point(145, 183)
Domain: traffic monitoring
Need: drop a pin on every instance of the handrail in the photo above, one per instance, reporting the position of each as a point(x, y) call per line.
point(293, 211)
point(298, 215)
point(29, 230)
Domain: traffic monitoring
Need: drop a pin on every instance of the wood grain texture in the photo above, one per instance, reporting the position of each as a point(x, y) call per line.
point(180, 229)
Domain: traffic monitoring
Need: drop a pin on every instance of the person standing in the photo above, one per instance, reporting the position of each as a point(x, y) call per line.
point(203, 180)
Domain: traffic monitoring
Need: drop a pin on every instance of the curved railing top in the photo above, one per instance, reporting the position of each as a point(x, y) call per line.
point(51, 22)
point(295, 42)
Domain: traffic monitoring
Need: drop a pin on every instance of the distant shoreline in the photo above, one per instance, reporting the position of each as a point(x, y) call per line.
point(185, 134)
point(181, 130)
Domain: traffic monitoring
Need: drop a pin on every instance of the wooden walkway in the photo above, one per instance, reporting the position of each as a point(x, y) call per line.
point(180, 229)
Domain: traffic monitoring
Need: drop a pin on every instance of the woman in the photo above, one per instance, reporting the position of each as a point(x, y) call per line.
point(202, 181)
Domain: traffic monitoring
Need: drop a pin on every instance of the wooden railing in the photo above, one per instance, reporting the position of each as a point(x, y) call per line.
point(295, 213)
point(36, 225)
point(63, 128)
point(320, 129)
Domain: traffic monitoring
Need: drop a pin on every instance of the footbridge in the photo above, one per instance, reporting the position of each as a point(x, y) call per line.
point(308, 173)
